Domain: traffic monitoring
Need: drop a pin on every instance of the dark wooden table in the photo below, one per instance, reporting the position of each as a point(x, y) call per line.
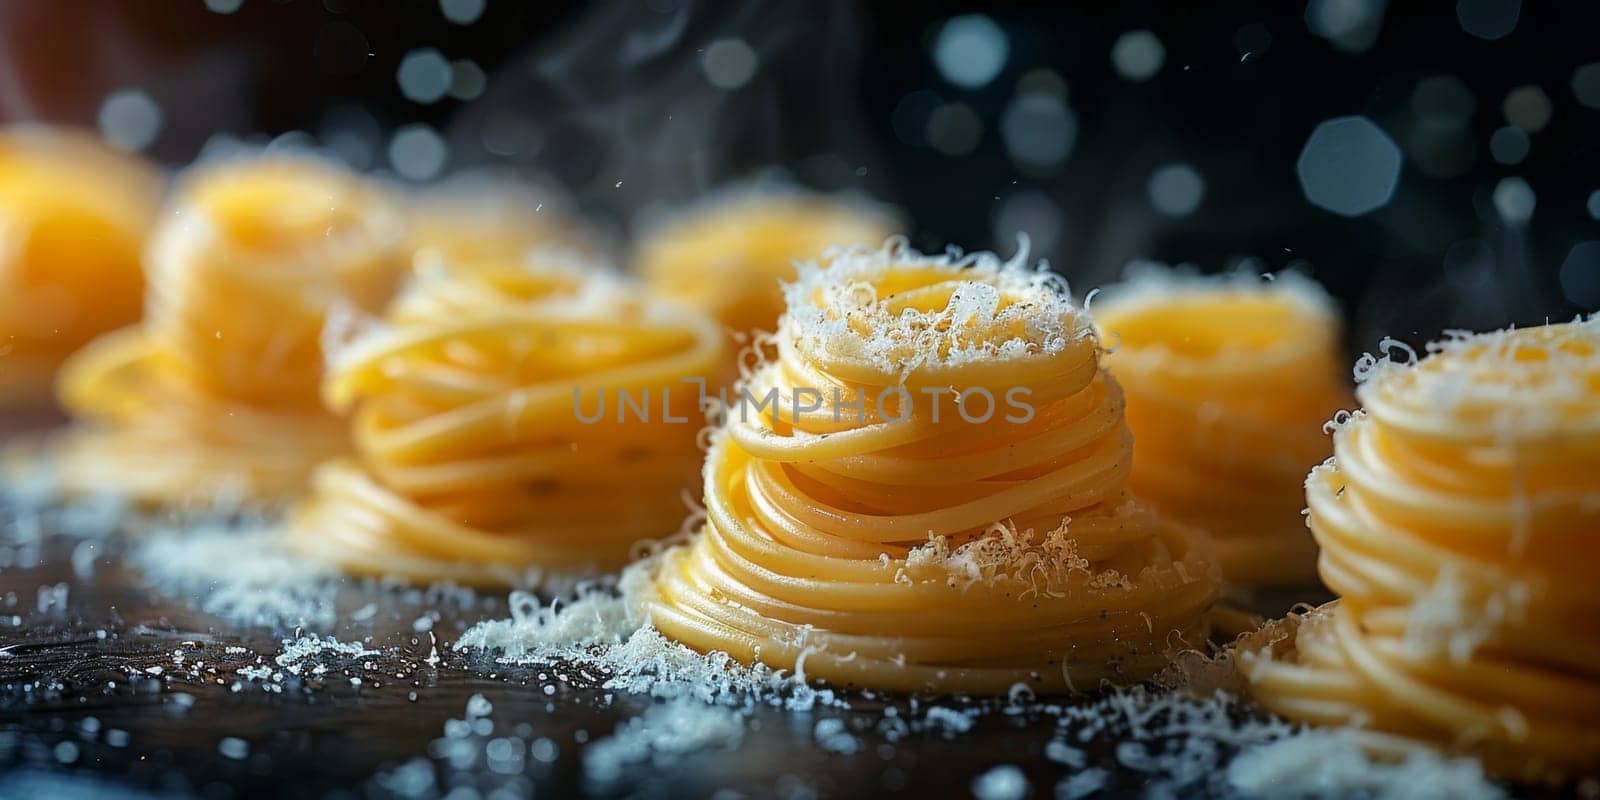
point(100, 696)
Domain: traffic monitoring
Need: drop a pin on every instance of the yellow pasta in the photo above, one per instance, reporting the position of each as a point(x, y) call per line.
point(217, 390)
point(966, 530)
point(1228, 381)
point(478, 218)
point(512, 421)
point(1457, 521)
point(730, 257)
point(73, 218)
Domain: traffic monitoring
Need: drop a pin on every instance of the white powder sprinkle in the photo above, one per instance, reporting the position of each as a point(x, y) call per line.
point(234, 748)
point(1005, 782)
point(832, 735)
point(1332, 763)
point(243, 576)
point(663, 735)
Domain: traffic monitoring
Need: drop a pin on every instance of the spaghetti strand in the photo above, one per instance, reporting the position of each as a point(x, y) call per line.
point(216, 392)
point(490, 445)
point(729, 256)
point(1228, 379)
point(1457, 521)
point(894, 533)
point(74, 215)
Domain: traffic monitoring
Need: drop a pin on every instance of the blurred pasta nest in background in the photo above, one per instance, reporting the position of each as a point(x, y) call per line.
point(512, 420)
point(1229, 379)
point(73, 219)
point(476, 217)
point(728, 254)
point(215, 393)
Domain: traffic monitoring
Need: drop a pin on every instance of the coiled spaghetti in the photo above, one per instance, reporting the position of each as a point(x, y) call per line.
point(494, 441)
point(924, 544)
point(1457, 521)
point(730, 257)
point(73, 218)
point(217, 390)
point(1228, 382)
point(476, 218)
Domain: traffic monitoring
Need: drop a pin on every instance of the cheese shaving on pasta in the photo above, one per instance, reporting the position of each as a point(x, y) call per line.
point(511, 420)
point(880, 523)
point(729, 255)
point(216, 392)
point(1457, 521)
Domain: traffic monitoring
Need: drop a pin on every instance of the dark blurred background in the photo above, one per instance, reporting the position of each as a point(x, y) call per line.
point(1454, 184)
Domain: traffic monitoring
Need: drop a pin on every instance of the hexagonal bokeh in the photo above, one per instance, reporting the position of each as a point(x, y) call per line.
point(1580, 274)
point(1349, 166)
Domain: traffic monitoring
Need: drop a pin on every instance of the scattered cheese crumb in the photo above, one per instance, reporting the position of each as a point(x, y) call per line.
point(1005, 782)
point(1332, 763)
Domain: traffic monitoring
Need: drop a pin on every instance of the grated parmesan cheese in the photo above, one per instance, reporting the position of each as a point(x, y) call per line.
point(1005, 782)
point(602, 627)
point(243, 576)
point(840, 305)
point(665, 734)
point(1333, 764)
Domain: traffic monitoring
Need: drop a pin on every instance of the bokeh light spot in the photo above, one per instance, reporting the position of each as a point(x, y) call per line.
point(1029, 212)
point(1509, 145)
point(462, 12)
point(1138, 55)
point(1580, 275)
point(1514, 200)
point(1043, 81)
point(1441, 149)
point(910, 116)
point(507, 132)
point(729, 63)
point(970, 50)
point(417, 152)
point(1528, 108)
point(954, 129)
point(1176, 189)
point(1349, 25)
point(1038, 130)
point(1594, 204)
point(223, 6)
point(353, 134)
point(1439, 140)
point(1349, 166)
point(129, 119)
point(1586, 84)
point(467, 80)
point(1488, 19)
point(1443, 98)
point(424, 75)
